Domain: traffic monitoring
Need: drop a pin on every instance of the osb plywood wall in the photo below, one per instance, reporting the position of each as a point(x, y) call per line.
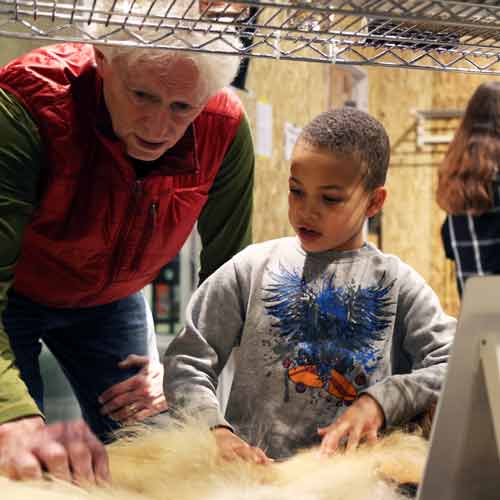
point(298, 91)
point(10, 48)
point(411, 219)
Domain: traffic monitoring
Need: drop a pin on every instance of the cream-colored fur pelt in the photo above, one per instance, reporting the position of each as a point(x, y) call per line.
point(181, 464)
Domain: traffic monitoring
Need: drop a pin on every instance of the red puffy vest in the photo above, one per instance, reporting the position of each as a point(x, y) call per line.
point(98, 234)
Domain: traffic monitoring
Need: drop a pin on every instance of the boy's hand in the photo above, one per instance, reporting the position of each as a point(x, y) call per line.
point(231, 447)
point(360, 421)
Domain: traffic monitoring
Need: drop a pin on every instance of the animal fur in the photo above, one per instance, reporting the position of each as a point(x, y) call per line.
point(182, 463)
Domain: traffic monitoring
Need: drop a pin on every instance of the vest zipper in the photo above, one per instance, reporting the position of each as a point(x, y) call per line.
point(147, 235)
point(129, 221)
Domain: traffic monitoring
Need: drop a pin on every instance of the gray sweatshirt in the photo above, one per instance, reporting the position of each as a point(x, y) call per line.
point(311, 332)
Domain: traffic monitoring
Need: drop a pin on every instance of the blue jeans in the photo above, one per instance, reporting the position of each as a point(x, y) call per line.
point(88, 343)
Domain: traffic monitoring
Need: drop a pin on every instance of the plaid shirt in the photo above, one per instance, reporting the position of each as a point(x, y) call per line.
point(473, 241)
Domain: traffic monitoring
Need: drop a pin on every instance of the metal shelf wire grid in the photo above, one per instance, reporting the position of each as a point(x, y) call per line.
point(426, 34)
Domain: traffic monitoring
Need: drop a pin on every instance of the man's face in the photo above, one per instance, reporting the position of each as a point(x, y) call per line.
point(151, 103)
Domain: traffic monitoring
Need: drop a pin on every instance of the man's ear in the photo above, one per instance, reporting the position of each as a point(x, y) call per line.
point(377, 200)
point(100, 60)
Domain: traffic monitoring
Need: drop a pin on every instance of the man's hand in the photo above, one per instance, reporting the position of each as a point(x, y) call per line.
point(66, 450)
point(361, 421)
point(138, 397)
point(231, 447)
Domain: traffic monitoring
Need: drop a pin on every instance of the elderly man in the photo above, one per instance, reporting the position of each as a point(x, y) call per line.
point(108, 157)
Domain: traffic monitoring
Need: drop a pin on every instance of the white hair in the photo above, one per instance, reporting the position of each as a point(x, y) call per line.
point(216, 70)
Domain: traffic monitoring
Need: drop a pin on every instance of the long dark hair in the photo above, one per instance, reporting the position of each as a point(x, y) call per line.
point(473, 156)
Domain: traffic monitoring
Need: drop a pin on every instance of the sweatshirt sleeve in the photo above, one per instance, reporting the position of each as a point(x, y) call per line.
point(421, 344)
point(225, 223)
point(195, 358)
point(20, 159)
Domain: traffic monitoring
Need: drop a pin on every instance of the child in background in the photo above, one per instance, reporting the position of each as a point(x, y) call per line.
point(469, 188)
point(335, 339)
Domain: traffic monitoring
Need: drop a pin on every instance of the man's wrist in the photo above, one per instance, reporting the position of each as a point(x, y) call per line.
point(21, 426)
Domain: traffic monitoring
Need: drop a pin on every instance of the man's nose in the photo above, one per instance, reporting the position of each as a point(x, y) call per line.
point(160, 125)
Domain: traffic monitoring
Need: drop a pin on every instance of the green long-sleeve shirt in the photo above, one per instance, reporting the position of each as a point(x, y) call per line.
point(224, 224)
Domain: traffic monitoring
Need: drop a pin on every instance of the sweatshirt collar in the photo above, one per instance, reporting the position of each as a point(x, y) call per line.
point(365, 249)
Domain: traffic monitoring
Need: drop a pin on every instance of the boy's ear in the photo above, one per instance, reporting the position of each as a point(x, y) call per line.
point(377, 200)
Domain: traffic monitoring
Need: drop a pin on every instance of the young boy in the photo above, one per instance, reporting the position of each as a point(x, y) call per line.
point(335, 339)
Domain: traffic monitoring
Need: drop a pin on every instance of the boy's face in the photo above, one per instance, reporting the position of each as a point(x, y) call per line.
point(327, 202)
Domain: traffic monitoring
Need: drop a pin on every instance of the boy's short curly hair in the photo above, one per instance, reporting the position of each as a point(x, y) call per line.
point(349, 131)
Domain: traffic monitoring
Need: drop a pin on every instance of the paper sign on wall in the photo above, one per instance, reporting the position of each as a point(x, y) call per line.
point(264, 130)
point(291, 134)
